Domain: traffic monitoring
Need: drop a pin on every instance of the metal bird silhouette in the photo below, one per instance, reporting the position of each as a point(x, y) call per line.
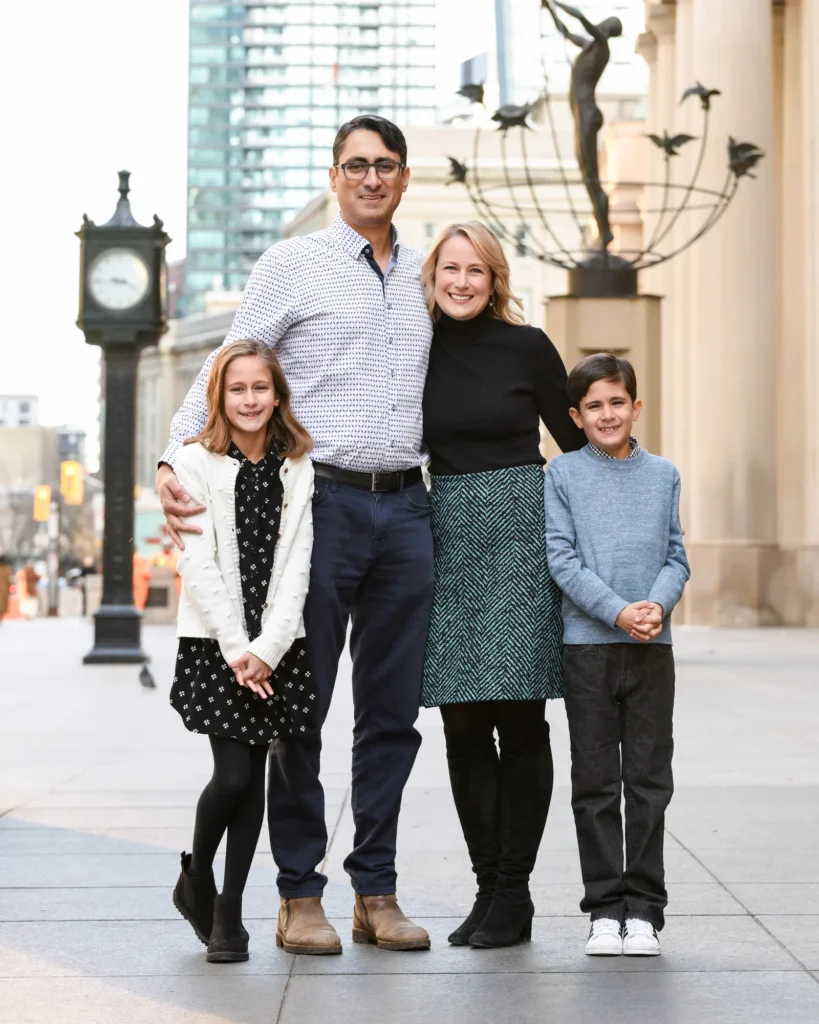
point(474, 93)
point(743, 156)
point(703, 93)
point(512, 116)
point(671, 143)
point(457, 172)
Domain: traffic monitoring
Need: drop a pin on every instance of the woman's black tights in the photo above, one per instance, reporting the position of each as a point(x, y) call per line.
point(502, 795)
point(233, 800)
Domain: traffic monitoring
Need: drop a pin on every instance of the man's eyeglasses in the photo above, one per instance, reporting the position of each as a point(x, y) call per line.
point(357, 170)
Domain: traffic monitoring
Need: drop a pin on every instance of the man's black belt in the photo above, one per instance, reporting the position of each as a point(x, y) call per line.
point(370, 481)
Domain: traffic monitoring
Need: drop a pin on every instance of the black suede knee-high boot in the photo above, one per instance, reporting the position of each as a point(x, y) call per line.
point(475, 776)
point(526, 779)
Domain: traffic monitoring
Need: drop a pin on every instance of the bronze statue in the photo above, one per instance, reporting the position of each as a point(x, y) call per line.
point(589, 65)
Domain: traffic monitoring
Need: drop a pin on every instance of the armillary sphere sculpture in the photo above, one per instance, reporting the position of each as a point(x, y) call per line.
point(593, 269)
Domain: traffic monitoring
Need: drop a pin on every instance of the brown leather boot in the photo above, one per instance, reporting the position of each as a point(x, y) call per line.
point(379, 920)
point(304, 928)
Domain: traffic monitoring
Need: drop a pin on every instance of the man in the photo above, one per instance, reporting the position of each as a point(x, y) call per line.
point(345, 310)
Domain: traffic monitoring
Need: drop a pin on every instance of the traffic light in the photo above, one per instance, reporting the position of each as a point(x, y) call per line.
point(71, 482)
point(42, 503)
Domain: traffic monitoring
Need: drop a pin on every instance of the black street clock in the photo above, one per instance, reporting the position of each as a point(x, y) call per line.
point(122, 309)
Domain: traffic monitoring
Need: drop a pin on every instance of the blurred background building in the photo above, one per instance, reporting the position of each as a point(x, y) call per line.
point(30, 457)
point(18, 410)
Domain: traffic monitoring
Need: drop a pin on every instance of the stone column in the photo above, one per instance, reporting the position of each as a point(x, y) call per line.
point(809, 562)
point(731, 473)
point(679, 308)
point(791, 443)
point(657, 47)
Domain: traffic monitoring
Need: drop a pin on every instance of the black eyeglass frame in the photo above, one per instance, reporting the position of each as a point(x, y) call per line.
point(343, 167)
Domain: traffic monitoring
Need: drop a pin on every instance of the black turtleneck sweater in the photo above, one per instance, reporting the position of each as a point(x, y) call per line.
point(488, 384)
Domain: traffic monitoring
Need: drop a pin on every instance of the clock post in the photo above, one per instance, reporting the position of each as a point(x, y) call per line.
point(122, 309)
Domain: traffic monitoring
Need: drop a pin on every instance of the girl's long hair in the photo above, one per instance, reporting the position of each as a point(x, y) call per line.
point(503, 304)
point(284, 432)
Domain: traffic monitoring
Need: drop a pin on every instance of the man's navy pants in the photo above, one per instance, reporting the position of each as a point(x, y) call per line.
point(372, 566)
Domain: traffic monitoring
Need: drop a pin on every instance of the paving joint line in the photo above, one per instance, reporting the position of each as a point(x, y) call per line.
point(289, 981)
point(45, 792)
point(286, 991)
point(334, 831)
point(390, 974)
point(747, 910)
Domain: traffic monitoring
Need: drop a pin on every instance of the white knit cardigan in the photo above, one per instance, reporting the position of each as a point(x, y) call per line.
point(211, 604)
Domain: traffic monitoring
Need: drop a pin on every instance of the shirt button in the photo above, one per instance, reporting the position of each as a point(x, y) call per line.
point(389, 305)
point(266, 604)
point(394, 408)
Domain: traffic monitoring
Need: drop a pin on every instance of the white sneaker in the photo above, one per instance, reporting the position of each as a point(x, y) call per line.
point(640, 938)
point(605, 938)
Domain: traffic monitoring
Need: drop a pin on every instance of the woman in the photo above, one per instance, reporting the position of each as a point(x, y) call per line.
point(241, 671)
point(494, 649)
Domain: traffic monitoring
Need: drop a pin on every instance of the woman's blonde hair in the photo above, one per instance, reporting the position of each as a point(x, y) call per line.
point(284, 432)
point(487, 245)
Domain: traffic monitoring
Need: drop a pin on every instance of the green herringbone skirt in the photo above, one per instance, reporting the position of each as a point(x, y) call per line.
point(496, 631)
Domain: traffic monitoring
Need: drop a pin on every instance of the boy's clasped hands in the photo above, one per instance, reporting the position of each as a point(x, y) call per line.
point(642, 620)
point(253, 673)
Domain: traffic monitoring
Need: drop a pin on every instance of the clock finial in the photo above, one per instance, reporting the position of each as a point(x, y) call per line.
point(122, 214)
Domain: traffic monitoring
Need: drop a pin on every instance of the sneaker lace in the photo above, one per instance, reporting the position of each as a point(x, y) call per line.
point(637, 927)
point(605, 926)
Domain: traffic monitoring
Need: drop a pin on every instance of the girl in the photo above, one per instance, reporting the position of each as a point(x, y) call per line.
point(242, 675)
point(493, 655)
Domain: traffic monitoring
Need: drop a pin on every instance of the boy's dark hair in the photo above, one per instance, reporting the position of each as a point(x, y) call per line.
point(600, 366)
point(391, 135)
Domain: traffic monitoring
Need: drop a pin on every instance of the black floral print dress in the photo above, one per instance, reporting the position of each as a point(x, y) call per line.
point(205, 691)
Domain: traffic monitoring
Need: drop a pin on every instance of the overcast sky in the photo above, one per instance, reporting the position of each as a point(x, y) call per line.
point(90, 87)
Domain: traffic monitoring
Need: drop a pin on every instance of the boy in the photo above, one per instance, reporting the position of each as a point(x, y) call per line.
point(614, 544)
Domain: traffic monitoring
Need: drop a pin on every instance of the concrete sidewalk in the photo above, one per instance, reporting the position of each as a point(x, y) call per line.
point(98, 782)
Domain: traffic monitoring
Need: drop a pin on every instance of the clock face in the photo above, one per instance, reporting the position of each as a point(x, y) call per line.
point(118, 279)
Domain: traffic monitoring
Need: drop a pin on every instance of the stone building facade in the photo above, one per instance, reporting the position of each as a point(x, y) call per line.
point(741, 308)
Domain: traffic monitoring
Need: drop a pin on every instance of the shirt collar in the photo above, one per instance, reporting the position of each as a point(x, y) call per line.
point(635, 450)
point(352, 243)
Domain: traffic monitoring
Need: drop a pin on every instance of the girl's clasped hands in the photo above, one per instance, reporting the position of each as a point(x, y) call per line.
point(253, 673)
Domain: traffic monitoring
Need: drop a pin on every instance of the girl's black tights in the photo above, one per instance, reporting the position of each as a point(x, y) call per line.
point(233, 800)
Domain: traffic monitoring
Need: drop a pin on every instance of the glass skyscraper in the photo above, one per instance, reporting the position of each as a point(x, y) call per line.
point(270, 81)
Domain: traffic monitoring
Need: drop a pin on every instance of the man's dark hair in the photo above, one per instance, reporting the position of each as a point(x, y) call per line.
point(391, 135)
point(601, 366)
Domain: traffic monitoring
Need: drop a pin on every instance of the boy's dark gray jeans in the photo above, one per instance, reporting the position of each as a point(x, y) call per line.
point(619, 703)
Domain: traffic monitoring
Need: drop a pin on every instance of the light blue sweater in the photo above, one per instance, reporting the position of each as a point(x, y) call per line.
point(613, 536)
